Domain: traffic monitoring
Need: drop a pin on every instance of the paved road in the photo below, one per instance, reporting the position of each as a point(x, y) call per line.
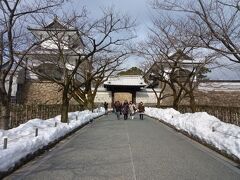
point(132, 149)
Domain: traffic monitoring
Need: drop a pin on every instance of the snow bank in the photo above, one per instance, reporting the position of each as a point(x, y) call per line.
point(221, 135)
point(22, 140)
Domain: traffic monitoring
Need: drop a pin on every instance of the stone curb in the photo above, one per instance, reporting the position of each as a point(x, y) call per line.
point(41, 151)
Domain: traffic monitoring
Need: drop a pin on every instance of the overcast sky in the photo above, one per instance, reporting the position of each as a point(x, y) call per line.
point(141, 11)
point(137, 9)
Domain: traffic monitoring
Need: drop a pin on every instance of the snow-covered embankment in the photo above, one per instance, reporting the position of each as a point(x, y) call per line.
point(22, 140)
point(220, 135)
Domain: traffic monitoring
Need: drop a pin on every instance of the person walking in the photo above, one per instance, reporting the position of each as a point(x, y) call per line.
point(105, 107)
point(113, 107)
point(141, 110)
point(125, 109)
point(118, 109)
point(132, 109)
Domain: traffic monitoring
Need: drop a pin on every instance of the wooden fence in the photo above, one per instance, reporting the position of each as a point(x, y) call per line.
point(22, 113)
point(224, 113)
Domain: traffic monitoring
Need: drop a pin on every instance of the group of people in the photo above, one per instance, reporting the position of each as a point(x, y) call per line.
point(128, 109)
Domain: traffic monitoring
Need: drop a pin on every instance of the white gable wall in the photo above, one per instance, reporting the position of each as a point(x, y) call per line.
point(103, 96)
point(146, 96)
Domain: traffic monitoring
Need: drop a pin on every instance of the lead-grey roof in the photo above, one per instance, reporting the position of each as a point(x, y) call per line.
point(127, 80)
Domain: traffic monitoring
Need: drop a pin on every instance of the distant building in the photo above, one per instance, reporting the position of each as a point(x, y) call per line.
point(36, 88)
point(126, 87)
point(42, 63)
point(130, 88)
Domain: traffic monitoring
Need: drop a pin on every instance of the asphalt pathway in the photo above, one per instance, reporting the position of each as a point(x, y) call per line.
point(128, 150)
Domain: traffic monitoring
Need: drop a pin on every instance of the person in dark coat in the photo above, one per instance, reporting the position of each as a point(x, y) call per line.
point(141, 110)
point(118, 109)
point(105, 107)
point(125, 110)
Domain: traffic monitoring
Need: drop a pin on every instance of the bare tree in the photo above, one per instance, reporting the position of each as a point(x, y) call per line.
point(98, 71)
point(103, 42)
point(13, 16)
point(155, 77)
point(215, 23)
point(171, 47)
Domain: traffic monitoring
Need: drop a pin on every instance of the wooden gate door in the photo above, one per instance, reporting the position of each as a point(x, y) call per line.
point(122, 96)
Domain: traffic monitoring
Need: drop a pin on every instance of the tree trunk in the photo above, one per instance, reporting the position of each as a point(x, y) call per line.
point(89, 103)
point(158, 102)
point(65, 106)
point(4, 113)
point(175, 104)
point(175, 101)
point(192, 102)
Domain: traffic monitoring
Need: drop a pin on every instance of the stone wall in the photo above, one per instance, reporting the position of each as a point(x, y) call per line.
point(218, 98)
point(46, 92)
point(33, 92)
point(211, 98)
point(207, 97)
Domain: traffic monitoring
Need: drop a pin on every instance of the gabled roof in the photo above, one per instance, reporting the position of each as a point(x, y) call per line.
point(181, 55)
point(184, 59)
point(56, 24)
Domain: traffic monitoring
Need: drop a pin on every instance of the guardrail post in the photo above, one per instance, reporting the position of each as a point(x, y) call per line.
point(5, 143)
point(55, 125)
point(213, 129)
point(36, 132)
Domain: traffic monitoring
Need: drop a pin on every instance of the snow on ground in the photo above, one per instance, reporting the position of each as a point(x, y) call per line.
point(22, 140)
point(223, 136)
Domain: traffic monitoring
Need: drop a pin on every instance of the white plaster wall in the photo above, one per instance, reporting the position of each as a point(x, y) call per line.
point(219, 86)
point(103, 96)
point(146, 96)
